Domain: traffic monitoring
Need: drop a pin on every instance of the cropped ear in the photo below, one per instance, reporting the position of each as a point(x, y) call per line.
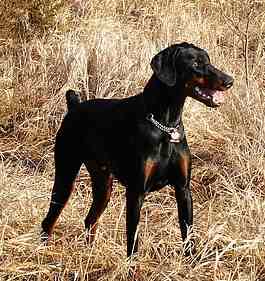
point(164, 65)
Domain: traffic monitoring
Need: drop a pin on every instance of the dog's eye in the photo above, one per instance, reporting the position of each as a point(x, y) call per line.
point(195, 64)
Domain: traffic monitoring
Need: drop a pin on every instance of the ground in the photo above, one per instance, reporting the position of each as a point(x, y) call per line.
point(104, 50)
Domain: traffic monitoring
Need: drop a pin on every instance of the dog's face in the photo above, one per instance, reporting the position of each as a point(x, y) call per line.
point(189, 66)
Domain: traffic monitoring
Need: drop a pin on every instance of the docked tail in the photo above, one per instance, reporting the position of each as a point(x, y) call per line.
point(72, 99)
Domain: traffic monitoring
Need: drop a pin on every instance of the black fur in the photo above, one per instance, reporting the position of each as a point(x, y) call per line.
point(113, 138)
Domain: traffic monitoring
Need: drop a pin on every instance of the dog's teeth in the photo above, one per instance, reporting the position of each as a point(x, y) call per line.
point(198, 90)
point(218, 98)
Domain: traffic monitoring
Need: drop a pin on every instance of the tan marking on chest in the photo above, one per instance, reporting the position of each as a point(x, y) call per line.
point(150, 168)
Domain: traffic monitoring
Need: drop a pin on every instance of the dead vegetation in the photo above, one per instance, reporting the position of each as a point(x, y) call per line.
point(105, 48)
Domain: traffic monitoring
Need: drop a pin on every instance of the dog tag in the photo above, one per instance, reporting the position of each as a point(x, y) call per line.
point(175, 136)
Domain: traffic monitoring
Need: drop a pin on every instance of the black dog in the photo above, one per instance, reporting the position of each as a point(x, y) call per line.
point(140, 140)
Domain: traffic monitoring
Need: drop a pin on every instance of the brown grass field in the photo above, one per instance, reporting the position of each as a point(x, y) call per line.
point(104, 48)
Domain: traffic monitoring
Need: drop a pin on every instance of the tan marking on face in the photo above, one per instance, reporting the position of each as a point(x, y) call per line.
point(149, 169)
point(196, 81)
point(200, 81)
point(184, 163)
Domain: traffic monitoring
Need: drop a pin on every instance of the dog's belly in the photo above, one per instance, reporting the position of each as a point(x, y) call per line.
point(152, 184)
point(157, 185)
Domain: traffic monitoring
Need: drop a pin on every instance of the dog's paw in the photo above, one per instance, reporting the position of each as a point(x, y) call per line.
point(44, 237)
point(189, 248)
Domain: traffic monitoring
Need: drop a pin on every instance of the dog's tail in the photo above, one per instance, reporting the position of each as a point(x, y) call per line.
point(72, 99)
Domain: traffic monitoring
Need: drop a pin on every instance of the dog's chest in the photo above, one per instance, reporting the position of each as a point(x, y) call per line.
point(156, 172)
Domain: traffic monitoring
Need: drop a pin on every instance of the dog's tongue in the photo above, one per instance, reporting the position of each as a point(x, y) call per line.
point(218, 97)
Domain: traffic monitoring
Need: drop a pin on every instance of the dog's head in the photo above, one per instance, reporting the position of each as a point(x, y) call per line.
point(189, 66)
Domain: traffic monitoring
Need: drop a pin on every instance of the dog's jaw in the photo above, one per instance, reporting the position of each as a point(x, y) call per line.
point(212, 98)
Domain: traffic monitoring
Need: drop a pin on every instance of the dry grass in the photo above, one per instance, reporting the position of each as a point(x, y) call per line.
point(45, 48)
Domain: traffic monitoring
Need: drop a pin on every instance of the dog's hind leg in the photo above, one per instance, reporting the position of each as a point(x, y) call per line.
point(101, 191)
point(66, 169)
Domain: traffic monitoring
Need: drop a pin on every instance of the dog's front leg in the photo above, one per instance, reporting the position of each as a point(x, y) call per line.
point(180, 180)
point(185, 213)
point(134, 202)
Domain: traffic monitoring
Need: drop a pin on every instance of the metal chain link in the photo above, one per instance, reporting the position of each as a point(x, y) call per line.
point(169, 130)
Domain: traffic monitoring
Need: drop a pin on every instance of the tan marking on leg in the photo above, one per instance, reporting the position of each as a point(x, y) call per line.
point(184, 164)
point(51, 225)
point(99, 209)
point(90, 237)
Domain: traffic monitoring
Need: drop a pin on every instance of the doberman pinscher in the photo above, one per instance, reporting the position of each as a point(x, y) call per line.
point(140, 140)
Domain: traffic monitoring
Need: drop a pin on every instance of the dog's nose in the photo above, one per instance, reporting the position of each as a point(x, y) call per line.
point(228, 82)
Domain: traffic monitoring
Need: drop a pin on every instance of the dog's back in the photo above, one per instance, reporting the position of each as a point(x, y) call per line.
point(98, 123)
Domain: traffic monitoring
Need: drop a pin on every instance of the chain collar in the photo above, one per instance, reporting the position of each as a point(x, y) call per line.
point(173, 132)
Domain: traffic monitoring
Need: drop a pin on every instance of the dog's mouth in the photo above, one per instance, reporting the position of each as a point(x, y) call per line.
point(209, 97)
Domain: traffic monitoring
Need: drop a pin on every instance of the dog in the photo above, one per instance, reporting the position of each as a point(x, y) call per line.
point(140, 140)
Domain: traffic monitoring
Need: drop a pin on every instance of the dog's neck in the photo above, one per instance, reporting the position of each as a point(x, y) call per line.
point(164, 102)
